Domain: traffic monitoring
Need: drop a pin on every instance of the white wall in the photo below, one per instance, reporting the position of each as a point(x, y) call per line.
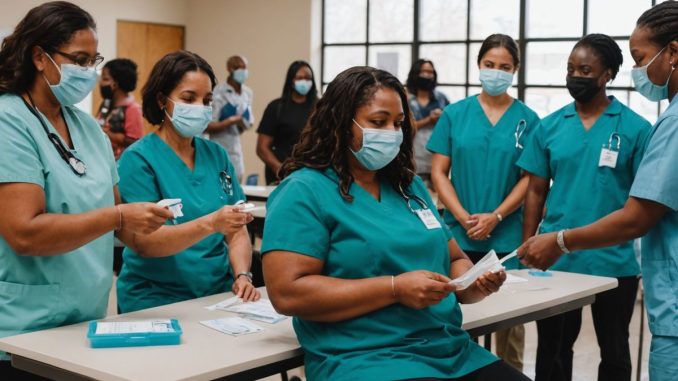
point(271, 34)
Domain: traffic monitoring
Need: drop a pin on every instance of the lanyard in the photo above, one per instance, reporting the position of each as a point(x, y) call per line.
point(77, 166)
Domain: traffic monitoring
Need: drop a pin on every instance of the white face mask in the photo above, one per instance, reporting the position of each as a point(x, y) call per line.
point(75, 83)
point(379, 148)
point(190, 120)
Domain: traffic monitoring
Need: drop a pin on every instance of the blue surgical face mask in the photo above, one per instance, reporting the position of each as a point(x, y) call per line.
point(240, 75)
point(190, 120)
point(646, 87)
point(495, 82)
point(303, 86)
point(75, 83)
point(379, 148)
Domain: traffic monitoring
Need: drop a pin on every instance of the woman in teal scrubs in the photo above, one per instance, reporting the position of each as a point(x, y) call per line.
point(355, 250)
point(480, 139)
point(58, 181)
point(207, 250)
point(591, 150)
point(651, 209)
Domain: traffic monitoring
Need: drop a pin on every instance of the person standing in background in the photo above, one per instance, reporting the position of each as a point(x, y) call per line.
point(232, 112)
point(427, 105)
point(285, 117)
point(119, 114)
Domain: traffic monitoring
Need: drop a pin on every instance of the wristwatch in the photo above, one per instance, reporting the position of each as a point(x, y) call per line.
point(500, 218)
point(560, 240)
point(245, 273)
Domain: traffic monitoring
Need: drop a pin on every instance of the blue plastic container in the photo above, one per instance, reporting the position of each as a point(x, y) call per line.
point(117, 340)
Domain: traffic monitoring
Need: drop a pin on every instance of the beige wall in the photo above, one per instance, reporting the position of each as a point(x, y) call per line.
point(270, 33)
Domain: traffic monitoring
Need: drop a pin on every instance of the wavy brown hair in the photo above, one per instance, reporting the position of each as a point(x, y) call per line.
point(49, 26)
point(325, 140)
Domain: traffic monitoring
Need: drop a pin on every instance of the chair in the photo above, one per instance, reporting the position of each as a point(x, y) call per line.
point(252, 179)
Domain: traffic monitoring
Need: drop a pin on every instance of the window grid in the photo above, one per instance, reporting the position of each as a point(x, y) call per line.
point(522, 40)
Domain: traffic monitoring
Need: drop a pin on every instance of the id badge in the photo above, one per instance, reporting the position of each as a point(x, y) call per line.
point(427, 217)
point(608, 158)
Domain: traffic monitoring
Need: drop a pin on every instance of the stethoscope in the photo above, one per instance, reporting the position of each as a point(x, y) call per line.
point(614, 137)
point(519, 132)
point(408, 199)
point(77, 166)
point(226, 182)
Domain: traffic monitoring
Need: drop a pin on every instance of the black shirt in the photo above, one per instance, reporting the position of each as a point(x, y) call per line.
point(283, 122)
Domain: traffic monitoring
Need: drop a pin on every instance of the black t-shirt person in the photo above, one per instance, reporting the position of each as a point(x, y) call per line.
point(283, 121)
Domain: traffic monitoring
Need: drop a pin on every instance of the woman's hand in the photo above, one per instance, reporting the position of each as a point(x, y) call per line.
point(540, 251)
point(484, 224)
point(245, 290)
point(229, 219)
point(421, 289)
point(143, 217)
point(490, 282)
point(466, 221)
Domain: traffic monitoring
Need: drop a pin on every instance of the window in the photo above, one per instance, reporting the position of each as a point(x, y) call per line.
point(392, 35)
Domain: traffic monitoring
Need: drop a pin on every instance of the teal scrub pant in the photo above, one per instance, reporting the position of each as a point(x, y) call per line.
point(664, 358)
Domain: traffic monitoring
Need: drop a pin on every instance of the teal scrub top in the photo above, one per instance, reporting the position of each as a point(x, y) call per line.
point(44, 292)
point(657, 180)
point(151, 171)
point(483, 170)
point(362, 239)
point(582, 191)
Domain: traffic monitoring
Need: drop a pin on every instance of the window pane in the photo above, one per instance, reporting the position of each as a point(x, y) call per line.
point(494, 16)
point(395, 59)
point(546, 101)
point(642, 106)
point(613, 18)
point(391, 21)
point(546, 62)
point(474, 71)
point(621, 95)
point(555, 18)
point(624, 75)
point(453, 93)
point(340, 58)
point(448, 59)
point(441, 20)
point(345, 21)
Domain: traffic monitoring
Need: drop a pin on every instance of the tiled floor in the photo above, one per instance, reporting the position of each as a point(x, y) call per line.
point(586, 354)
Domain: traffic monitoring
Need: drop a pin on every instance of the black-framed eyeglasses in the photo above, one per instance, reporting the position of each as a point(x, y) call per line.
point(83, 60)
point(226, 182)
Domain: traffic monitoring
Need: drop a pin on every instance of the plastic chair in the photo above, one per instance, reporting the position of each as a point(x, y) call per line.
point(252, 179)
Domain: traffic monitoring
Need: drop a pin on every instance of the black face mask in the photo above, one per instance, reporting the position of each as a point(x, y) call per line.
point(106, 92)
point(425, 83)
point(582, 89)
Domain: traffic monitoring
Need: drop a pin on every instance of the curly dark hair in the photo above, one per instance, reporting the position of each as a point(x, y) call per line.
point(124, 73)
point(49, 26)
point(165, 76)
point(325, 140)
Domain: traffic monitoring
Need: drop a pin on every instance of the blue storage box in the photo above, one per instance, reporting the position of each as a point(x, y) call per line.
point(134, 339)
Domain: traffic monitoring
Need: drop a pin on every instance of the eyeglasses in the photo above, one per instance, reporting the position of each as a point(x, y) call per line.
point(83, 60)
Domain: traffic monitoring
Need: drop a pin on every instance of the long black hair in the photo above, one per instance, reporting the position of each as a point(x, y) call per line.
point(165, 76)
point(662, 21)
point(48, 26)
point(288, 87)
point(412, 76)
point(325, 140)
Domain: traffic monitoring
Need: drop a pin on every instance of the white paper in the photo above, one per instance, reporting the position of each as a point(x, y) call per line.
point(512, 279)
point(490, 262)
point(174, 205)
point(250, 208)
point(261, 310)
point(146, 326)
point(234, 326)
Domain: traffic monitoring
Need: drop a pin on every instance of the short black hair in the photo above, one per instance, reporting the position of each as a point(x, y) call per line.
point(49, 26)
point(662, 21)
point(606, 48)
point(411, 82)
point(124, 73)
point(499, 40)
point(165, 76)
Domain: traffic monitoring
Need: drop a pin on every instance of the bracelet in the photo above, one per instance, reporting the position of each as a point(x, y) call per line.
point(560, 240)
point(118, 226)
point(248, 274)
point(499, 216)
point(393, 286)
